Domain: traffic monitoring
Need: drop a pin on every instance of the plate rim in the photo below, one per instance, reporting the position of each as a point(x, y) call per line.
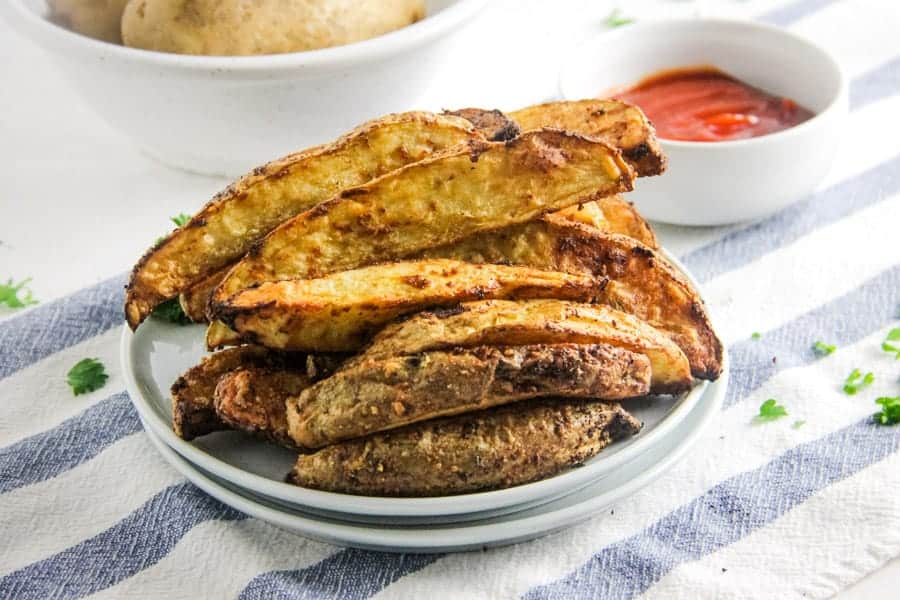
point(454, 537)
point(374, 506)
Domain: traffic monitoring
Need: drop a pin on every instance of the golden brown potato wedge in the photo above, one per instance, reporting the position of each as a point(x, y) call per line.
point(378, 395)
point(439, 200)
point(617, 123)
point(252, 399)
point(193, 409)
point(512, 323)
point(341, 311)
point(641, 282)
point(195, 298)
point(495, 448)
point(622, 218)
point(226, 228)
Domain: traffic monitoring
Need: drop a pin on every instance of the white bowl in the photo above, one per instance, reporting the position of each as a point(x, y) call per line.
point(225, 115)
point(715, 183)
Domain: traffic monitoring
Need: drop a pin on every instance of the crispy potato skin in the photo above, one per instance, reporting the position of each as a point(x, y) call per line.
point(193, 408)
point(497, 448)
point(99, 19)
point(641, 282)
point(513, 323)
point(227, 227)
point(378, 395)
point(621, 217)
point(253, 400)
point(619, 124)
point(493, 124)
point(341, 311)
point(236, 28)
point(195, 298)
point(433, 202)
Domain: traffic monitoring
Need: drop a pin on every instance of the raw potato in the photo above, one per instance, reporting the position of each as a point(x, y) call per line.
point(510, 323)
point(340, 312)
point(228, 226)
point(378, 395)
point(433, 202)
point(99, 19)
point(641, 282)
point(239, 27)
point(496, 448)
point(621, 125)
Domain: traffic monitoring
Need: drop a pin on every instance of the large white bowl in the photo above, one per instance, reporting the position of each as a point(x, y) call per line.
point(225, 115)
point(714, 183)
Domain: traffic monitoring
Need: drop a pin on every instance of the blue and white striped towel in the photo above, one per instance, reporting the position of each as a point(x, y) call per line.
point(87, 506)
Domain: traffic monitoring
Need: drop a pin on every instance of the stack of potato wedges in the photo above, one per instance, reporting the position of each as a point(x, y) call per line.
point(434, 303)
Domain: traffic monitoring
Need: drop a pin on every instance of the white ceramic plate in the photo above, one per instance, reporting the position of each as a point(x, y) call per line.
point(510, 528)
point(154, 356)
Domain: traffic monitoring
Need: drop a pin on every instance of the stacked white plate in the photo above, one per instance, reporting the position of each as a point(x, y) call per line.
point(248, 474)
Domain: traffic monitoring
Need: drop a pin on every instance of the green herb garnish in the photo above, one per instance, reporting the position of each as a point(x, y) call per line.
point(823, 349)
point(171, 311)
point(616, 19)
point(180, 220)
point(755, 336)
point(892, 336)
point(769, 411)
point(856, 381)
point(798, 424)
point(9, 294)
point(890, 411)
point(86, 376)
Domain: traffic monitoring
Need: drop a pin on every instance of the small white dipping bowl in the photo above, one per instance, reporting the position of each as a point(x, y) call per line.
point(225, 115)
point(715, 183)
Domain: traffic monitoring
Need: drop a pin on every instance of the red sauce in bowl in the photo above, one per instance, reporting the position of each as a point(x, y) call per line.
point(703, 104)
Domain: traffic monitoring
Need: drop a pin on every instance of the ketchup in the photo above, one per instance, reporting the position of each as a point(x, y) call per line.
point(703, 104)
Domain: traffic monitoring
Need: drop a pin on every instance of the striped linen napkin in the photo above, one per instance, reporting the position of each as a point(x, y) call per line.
point(766, 510)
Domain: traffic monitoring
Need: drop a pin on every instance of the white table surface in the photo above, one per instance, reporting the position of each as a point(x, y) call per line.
point(79, 202)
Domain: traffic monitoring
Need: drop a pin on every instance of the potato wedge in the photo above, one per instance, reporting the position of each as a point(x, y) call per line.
point(378, 395)
point(434, 202)
point(193, 409)
point(641, 282)
point(195, 298)
point(495, 448)
point(226, 228)
point(341, 311)
point(253, 400)
point(512, 323)
point(619, 124)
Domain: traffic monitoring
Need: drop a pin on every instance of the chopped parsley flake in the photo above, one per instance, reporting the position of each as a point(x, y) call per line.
point(755, 336)
point(769, 411)
point(86, 376)
point(890, 411)
point(9, 294)
point(856, 381)
point(171, 311)
point(616, 19)
point(892, 342)
point(823, 349)
point(181, 220)
point(798, 424)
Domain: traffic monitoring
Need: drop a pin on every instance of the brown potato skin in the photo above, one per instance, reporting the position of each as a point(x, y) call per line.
point(228, 226)
point(641, 281)
point(497, 448)
point(99, 19)
point(193, 393)
point(378, 395)
point(239, 28)
point(341, 311)
point(619, 124)
point(436, 201)
point(515, 323)
point(253, 400)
